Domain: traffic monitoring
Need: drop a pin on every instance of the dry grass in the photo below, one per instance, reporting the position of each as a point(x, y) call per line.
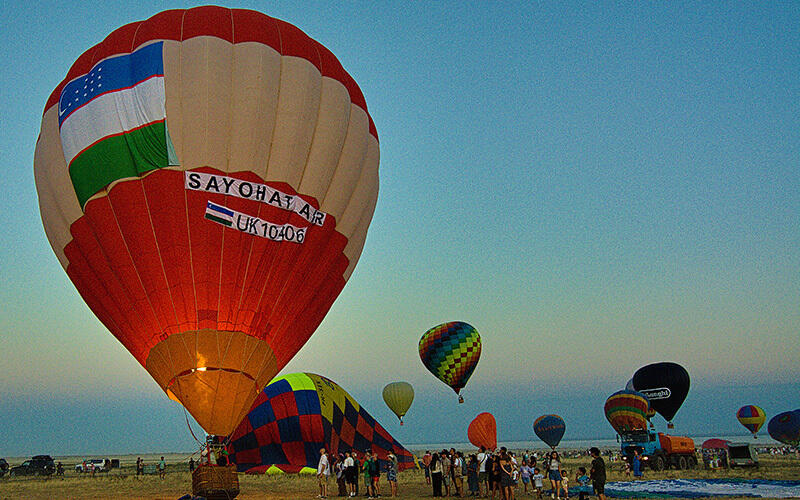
point(123, 484)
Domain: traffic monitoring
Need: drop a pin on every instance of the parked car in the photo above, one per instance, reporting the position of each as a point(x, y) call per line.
point(742, 455)
point(3, 467)
point(98, 464)
point(40, 465)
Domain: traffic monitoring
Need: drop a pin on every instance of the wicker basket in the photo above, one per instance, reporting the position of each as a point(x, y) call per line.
point(215, 482)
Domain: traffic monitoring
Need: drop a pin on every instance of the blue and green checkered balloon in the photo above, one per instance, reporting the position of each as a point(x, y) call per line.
point(451, 351)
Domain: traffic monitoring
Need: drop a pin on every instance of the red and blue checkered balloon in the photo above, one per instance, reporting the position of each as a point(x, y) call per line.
point(295, 416)
point(451, 351)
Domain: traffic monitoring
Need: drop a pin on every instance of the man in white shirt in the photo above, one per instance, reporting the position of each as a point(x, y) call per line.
point(323, 472)
point(483, 477)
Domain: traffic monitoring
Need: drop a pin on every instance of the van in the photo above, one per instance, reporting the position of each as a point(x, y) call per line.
point(742, 455)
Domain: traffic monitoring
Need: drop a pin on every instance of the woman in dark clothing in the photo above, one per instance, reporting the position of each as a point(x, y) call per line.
point(472, 475)
point(436, 475)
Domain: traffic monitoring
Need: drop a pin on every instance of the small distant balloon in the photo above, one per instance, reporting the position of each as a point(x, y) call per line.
point(398, 396)
point(752, 417)
point(451, 351)
point(785, 427)
point(550, 429)
point(482, 431)
point(665, 385)
point(627, 411)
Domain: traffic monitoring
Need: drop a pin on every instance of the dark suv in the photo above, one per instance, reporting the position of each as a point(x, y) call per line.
point(3, 467)
point(40, 465)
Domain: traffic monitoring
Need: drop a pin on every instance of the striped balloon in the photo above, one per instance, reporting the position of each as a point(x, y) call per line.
point(627, 411)
point(752, 417)
point(451, 351)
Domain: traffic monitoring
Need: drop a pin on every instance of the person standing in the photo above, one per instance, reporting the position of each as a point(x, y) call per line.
point(472, 476)
point(538, 482)
point(506, 469)
point(636, 464)
point(598, 473)
point(525, 474)
point(436, 475)
point(350, 473)
point(458, 473)
point(341, 482)
point(554, 473)
point(447, 472)
point(375, 475)
point(483, 477)
point(426, 465)
point(391, 473)
point(191, 464)
point(139, 466)
point(162, 468)
point(365, 468)
point(323, 472)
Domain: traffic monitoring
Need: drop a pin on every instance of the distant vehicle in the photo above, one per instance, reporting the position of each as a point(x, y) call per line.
point(96, 464)
point(39, 465)
point(658, 450)
point(3, 467)
point(742, 455)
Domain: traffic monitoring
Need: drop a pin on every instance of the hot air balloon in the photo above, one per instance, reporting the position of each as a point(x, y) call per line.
point(785, 427)
point(398, 397)
point(550, 429)
point(206, 178)
point(295, 416)
point(752, 417)
point(627, 411)
point(665, 385)
point(482, 431)
point(650, 411)
point(451, 351)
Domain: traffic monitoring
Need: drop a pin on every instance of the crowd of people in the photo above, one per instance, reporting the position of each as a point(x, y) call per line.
point(346, 467)
point(487, 474)
point(497, 475)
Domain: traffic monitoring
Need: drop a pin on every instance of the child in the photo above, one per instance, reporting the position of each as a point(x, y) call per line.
point(538, 482)
point(564, 484)
point(584, 488)
point(525, 475)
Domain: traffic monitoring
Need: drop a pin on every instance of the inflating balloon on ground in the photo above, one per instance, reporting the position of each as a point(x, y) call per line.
point(627, 411)
point(206, 178)
point(295, 416)
point(482, 431)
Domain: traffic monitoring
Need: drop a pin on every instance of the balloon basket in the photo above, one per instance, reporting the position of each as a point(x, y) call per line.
point(215, 482)
point(460, 399)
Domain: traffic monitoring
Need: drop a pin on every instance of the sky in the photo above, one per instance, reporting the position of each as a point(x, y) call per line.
point(593, 186)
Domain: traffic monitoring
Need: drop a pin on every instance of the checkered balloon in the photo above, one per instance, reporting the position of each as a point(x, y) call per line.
point(451, 351)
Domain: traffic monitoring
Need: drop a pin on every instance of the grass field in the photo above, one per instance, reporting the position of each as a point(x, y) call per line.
point(123, 483)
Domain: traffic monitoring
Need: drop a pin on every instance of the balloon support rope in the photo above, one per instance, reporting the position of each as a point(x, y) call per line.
point(186, 416)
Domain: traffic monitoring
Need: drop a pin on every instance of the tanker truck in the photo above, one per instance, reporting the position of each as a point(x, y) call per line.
point(659, 450)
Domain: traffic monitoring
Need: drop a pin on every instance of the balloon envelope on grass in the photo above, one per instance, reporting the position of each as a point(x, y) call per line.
point(295, 416)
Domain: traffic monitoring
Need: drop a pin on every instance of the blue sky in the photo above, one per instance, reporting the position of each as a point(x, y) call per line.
point(594, 187)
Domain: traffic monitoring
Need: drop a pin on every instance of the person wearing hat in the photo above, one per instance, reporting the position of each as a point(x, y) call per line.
point(391, 473)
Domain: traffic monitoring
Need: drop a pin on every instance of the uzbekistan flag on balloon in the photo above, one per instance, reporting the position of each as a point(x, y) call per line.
point(113, 121)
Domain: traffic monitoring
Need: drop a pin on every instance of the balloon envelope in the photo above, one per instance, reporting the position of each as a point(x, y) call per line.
point(451, 351)
point(206, 178)
point(785, 427)
point(482, 431)
point(752, 417)
point(665, 385)
point(627, 411)
point(550, 429)
point(398, 396)
point(295, 416)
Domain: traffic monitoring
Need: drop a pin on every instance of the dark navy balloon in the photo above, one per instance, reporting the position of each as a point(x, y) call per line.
point(550, 429)
point(665, 385)
point(785, 427)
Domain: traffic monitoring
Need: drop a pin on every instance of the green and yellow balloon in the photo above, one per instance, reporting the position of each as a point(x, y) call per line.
point(451, 351)
point(398, 397)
